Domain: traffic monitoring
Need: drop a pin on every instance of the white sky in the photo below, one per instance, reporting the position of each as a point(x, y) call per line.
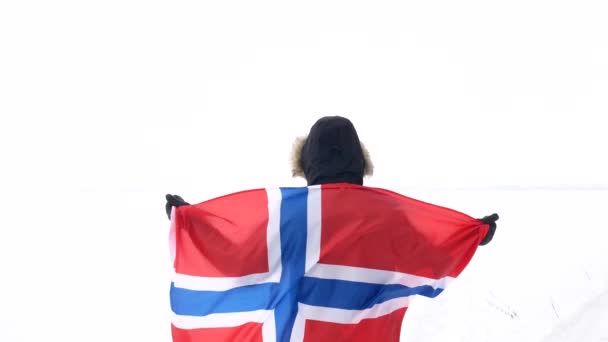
point(204, 98)
point(177, 96)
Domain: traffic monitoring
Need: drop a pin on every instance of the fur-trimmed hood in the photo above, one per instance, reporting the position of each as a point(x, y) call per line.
point(331, 153)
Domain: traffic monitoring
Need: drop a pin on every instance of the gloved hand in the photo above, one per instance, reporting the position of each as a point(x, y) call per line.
point(491, 221)
point(173, 201)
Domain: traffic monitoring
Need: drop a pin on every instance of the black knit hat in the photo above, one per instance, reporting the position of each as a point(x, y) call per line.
point(331, 153)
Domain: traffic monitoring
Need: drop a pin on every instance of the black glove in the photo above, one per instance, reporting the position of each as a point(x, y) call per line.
point(491, 221)
point(173, 201)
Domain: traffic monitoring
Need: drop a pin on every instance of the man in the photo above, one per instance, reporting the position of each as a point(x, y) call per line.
point(332, 153)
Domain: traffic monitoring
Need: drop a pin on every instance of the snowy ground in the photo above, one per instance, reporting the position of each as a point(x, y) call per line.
point(543, 278)
point(95, 266)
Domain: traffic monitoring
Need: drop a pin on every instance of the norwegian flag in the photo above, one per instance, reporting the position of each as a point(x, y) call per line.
point(336, 262)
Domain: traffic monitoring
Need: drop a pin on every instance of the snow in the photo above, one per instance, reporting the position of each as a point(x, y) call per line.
point(543, 278)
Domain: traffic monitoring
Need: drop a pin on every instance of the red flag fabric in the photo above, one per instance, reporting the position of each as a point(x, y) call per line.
point(336, 262)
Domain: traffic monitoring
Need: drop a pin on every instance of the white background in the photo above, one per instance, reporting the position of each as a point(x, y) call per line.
point(483, 107)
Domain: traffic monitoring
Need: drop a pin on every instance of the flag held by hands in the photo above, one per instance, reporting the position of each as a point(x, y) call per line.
point(333, 262)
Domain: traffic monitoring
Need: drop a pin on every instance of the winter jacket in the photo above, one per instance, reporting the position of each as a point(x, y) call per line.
point(331, 153)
